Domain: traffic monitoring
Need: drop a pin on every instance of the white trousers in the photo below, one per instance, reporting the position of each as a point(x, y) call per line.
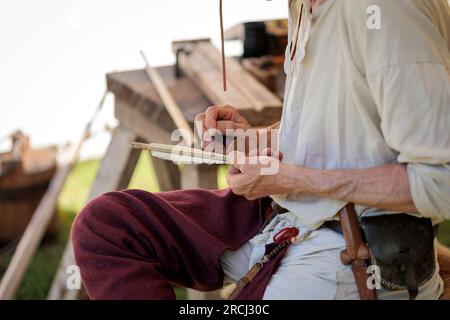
point(312, 270)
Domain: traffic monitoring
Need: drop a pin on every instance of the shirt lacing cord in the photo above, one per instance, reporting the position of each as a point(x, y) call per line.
point(301, 35)
point(294, 44)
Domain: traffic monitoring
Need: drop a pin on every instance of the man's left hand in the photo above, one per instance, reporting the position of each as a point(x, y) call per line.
point(256, 176)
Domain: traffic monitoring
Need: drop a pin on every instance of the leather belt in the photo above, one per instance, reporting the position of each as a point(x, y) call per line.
point(334, 225)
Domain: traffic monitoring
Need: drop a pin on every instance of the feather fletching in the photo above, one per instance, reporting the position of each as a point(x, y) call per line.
point(182, 155)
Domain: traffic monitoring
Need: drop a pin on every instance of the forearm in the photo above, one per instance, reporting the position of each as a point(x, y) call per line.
point(385, 187)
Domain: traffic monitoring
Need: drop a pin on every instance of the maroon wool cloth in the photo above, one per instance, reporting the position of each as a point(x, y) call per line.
point(134, 244)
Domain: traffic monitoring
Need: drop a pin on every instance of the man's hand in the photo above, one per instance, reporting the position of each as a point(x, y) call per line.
point(218, 118)
point(257, 176)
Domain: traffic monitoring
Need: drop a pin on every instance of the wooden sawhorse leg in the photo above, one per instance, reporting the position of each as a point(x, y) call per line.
point(167, 174)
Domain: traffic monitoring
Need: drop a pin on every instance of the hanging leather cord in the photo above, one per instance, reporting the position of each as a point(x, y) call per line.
point(222, 34)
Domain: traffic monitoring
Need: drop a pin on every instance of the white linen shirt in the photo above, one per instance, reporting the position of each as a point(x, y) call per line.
point(359, 98)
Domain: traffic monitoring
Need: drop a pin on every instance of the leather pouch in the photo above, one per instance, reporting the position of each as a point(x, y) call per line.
point(402, 246)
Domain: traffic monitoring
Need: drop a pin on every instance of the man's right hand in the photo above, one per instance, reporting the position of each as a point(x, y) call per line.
point(218, 118)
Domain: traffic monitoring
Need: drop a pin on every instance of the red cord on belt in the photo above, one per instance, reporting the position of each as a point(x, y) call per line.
point(285, 234)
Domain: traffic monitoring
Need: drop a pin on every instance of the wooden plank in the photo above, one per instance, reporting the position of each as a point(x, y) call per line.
point(114, 173)
point(134, 88)
point(169, 103)
point(118, 163)
point(58, 289)
point(167, 173)
point(236, 32)
point(269, 71)
point(207, 74)
point(199, 177)
point(130, 117)
point(249, 86)
point(207, 77)
point(201, 63)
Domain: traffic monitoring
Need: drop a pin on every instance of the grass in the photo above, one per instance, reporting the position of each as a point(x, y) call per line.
point(40, 274)
point(444, 233)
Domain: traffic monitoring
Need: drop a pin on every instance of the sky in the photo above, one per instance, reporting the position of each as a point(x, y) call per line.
point(54, 55)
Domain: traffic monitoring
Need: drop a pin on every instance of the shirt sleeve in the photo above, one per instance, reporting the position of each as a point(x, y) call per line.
point(413, 102)
point(406, 63)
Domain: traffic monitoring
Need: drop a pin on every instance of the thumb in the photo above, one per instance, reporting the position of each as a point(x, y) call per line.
point(233, 170)
point(268, 152)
